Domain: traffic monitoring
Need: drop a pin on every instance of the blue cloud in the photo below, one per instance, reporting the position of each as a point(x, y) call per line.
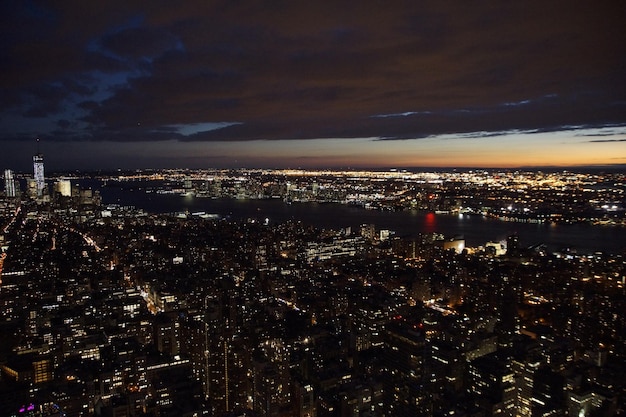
point(195, 128)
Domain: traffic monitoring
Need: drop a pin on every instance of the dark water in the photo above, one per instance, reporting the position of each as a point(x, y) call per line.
point(475, 229)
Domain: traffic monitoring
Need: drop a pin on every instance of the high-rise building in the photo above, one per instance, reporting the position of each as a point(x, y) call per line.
point(63, 187)
point(525, 370)
point(225, 370)
point(10, 190)
point(512, 244)
point(403, 370)
point(39, 174)
point(491, 382)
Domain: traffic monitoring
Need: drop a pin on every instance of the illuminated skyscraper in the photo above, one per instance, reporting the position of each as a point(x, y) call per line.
point(38, 174)
point(9, 184)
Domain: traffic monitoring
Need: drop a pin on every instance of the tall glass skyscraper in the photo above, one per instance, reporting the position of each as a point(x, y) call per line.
point(9, 184)
point(38, 173)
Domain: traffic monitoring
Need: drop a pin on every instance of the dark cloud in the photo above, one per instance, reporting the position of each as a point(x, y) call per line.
point(122, 70)
point(135, 43)
point(64, 124)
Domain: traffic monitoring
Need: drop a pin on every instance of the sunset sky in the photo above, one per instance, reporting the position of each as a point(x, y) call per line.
point(351, 84)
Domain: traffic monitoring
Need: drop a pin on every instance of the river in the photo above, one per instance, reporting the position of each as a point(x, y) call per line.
point(476, 229)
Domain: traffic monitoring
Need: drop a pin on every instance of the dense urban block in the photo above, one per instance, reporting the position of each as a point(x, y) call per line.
point(113, 310)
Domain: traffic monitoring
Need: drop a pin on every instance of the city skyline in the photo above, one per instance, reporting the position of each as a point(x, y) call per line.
point(356, 85)
point(112, 309)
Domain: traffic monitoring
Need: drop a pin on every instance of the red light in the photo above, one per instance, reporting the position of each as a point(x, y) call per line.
point(429, 222)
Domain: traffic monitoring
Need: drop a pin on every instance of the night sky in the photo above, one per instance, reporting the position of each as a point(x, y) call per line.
point(315, 84)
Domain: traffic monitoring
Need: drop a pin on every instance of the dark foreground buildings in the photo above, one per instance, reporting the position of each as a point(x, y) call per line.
point(112, 312)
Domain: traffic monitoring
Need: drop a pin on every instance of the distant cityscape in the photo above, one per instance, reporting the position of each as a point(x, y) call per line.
point(112, 309)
